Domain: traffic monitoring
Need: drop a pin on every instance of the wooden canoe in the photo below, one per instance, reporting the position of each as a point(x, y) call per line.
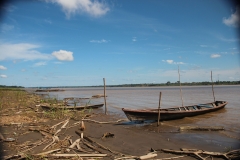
point(49, 90)
point(89, 106)
point(173, 113)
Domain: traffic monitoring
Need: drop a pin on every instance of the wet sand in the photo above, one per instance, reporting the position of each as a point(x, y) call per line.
point(129, 139)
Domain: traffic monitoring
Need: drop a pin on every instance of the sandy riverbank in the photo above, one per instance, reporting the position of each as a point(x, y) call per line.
point(32, 130)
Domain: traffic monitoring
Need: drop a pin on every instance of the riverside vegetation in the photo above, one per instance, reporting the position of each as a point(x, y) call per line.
point(168, 83)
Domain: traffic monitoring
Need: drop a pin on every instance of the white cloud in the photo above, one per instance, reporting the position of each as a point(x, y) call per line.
point(23, 51)
point(40, 64)
point(203, 45)
point(215, 55)
point(92, 7)
point(99, 41)
point(3, 76)
point(63, 55)
point(3, 68)
point(169, 61)
point(134, 39)
point(172, 62)
point(6, 27)
point(233, 20)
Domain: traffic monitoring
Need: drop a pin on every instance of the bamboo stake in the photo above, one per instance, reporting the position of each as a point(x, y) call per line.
point(159, 105)
point(180, 87)
point(212, 87)
point(105, 102)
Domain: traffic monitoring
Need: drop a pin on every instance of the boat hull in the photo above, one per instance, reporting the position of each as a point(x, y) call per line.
point(173, 113)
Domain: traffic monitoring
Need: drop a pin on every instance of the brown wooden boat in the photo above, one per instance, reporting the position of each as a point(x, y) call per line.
point(173, 113)
point(89, 106)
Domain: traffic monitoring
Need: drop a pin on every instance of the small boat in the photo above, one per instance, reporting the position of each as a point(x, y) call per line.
point(173, 113)
point(89, 106)
point(49, 90)
point(98, 96)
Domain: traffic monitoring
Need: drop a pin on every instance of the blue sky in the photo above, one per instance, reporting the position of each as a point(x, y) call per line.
point(80, 42)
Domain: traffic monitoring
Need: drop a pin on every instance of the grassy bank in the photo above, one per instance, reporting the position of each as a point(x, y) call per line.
point(19, 106)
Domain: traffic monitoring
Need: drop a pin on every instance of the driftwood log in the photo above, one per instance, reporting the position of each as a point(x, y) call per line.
point(196, 128)
point(228, 155)
point(109, 122)
point(79, 155)
point(148, 156)
point(97, 144)
point(47, 152)
point(106, 135)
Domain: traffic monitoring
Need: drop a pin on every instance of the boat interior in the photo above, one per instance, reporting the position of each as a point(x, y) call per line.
point(195, 107)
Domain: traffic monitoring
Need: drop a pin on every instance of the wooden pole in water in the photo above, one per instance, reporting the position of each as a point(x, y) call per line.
point(159, 105)
point(212, 87)
point(180, 86)
point(105, 102)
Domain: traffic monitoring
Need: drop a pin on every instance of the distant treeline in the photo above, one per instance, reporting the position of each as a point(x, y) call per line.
point(141, 84)
point(3, 86)
point(175, 84)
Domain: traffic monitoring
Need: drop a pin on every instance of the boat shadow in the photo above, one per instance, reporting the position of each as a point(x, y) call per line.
point(136, 123)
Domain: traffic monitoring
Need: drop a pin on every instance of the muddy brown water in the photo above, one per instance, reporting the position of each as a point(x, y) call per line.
point(148, 97)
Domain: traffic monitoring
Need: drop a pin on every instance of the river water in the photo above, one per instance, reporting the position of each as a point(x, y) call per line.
point(148, 97)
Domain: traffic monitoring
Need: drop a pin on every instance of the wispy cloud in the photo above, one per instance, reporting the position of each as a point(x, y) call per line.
point(224, 74)
point(3, 76)
point(90, 7)
point(172, 62)
point(21, 51)
point(215, 55)
point(40, 64)
point(229, 39)
point(63, 55)
point(134, 39)
point(3, 68)
point(135, 70)
point(48, 21)
point(233, 20)
point(99, 41)
point(193, 75)
point(194, 67)
point(203, 45)
point(9, 8)
point(6, 27)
